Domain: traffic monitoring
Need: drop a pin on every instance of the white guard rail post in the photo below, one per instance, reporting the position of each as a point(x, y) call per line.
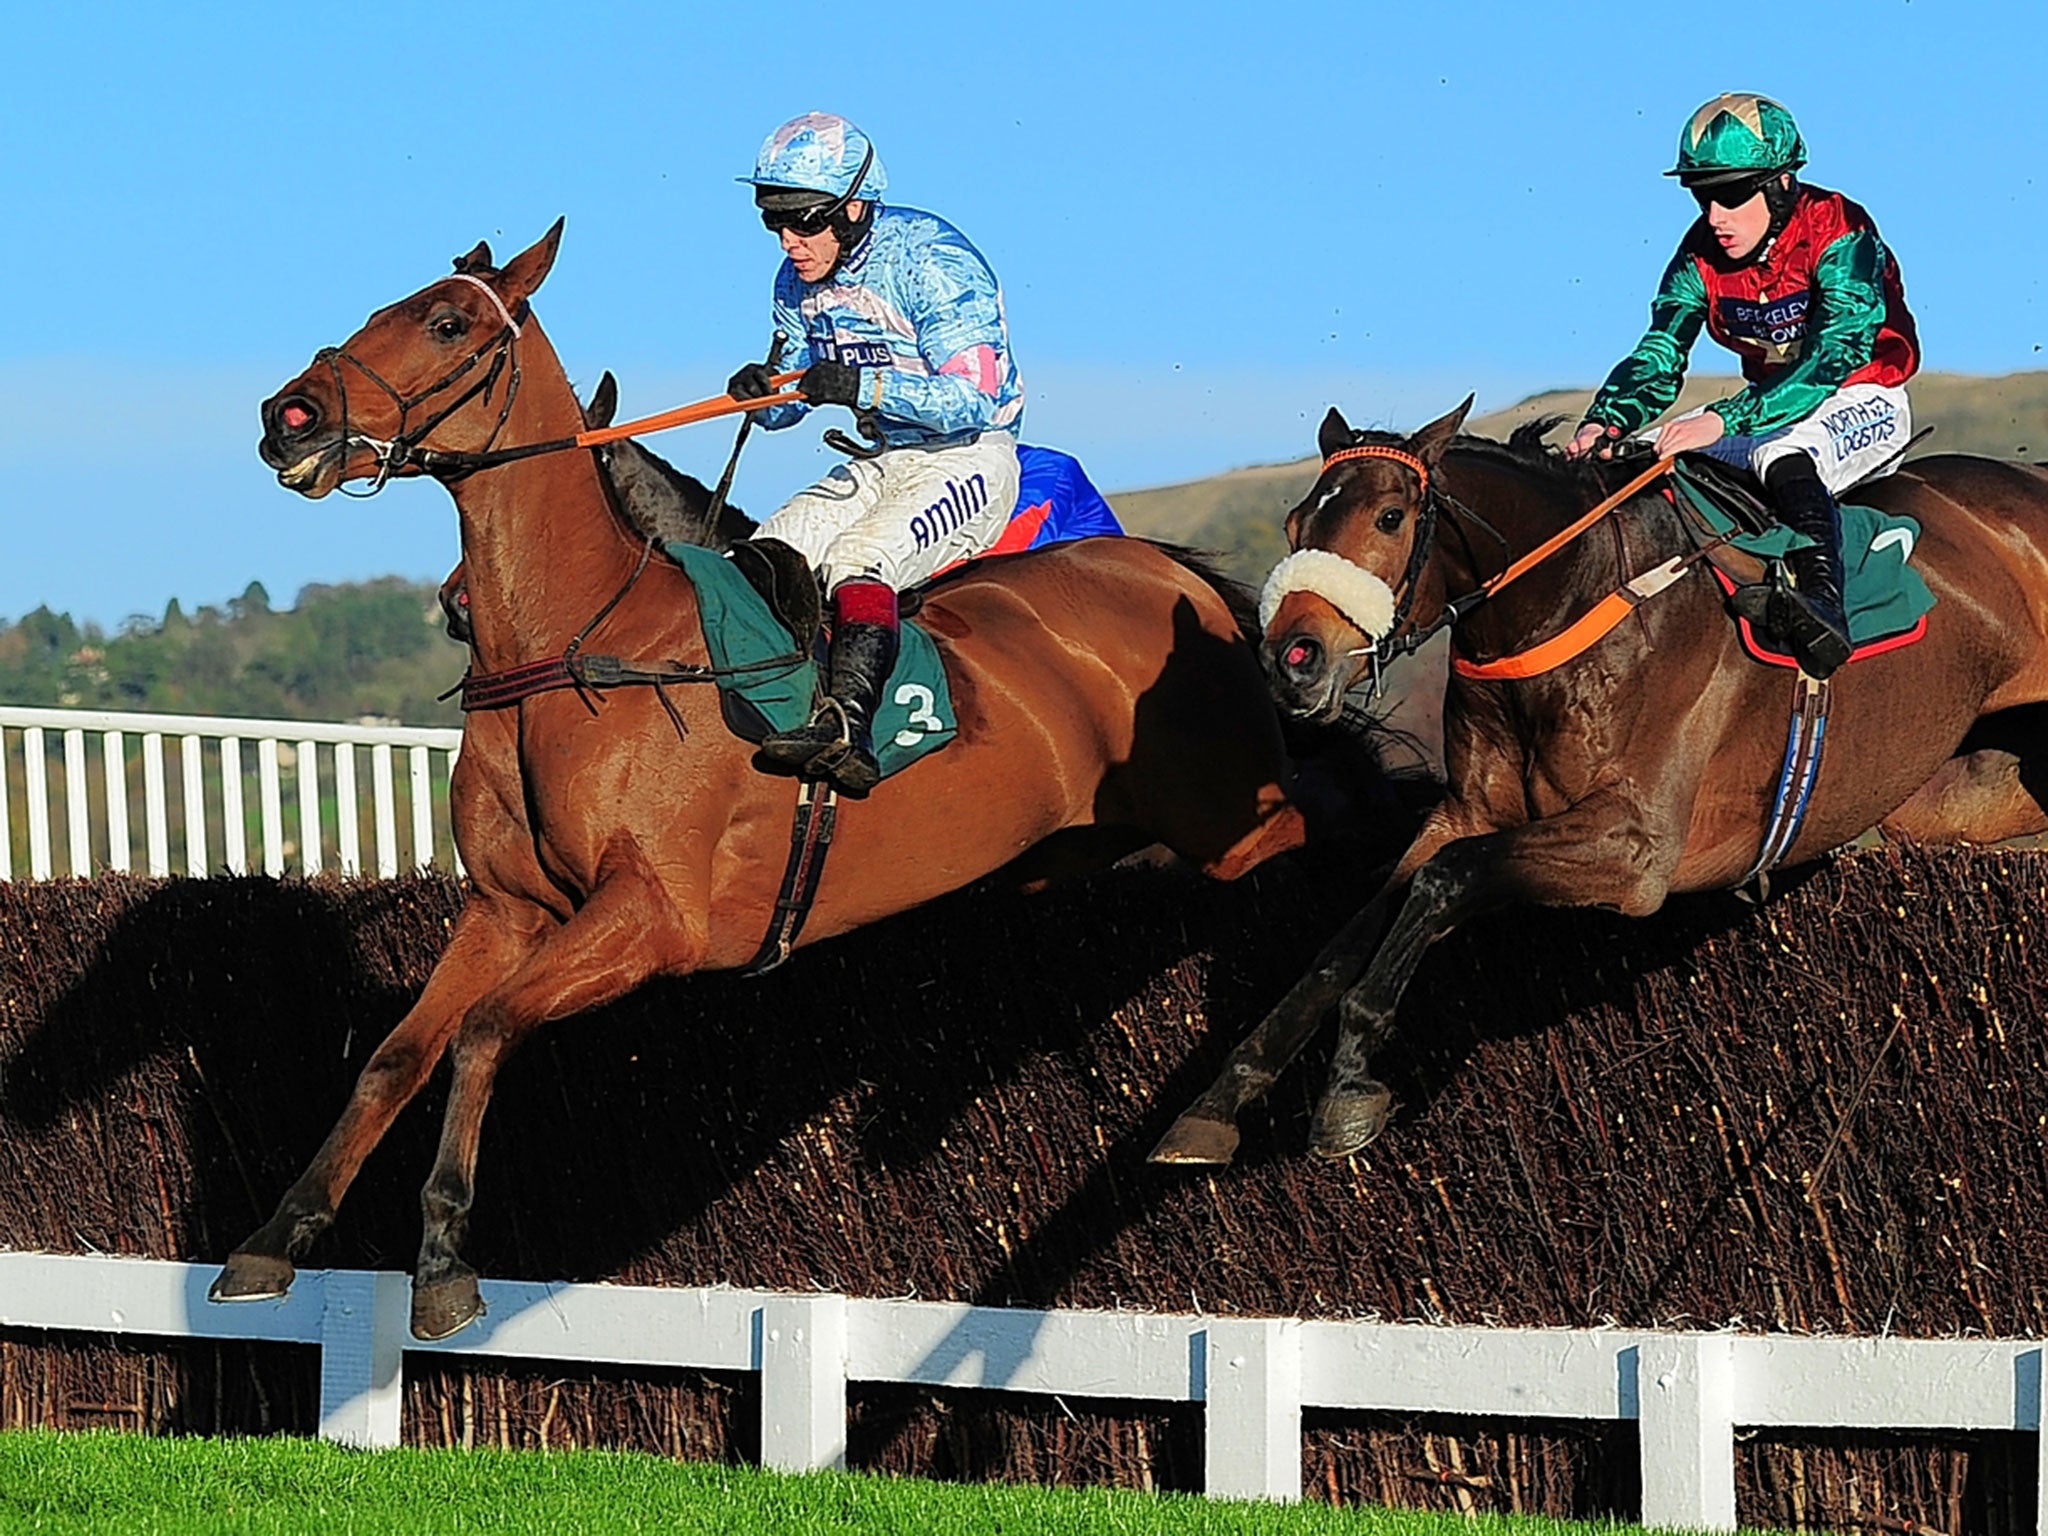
point(217, 783)
point(1686, 1402)
point(1251, 1438)
point(1690, 1392)
point(802, 1360)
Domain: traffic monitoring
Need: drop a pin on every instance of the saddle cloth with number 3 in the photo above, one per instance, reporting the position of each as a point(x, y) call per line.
point(915, 716)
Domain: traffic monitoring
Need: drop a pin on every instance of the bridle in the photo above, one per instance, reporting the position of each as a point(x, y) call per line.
point(1395, 644)
point(404, 447)
point(407, 449)
point(572, 667)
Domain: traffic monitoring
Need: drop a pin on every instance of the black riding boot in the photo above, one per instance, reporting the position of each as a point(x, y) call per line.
point(1808, 616)
point(837, 743)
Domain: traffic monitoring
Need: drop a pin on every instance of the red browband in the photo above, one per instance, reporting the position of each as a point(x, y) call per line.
point(1375, 451)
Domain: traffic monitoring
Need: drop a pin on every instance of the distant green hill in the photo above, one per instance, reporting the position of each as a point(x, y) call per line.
point(1238, 514)
point(373, 648)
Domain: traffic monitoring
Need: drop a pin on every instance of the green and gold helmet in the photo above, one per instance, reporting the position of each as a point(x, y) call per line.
point(1737, 134)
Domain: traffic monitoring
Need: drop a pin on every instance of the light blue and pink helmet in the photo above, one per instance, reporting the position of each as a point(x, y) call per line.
point(819, 152)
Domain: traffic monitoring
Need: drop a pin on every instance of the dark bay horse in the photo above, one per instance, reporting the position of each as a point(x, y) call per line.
point(1647, 765)
point(1107, 698)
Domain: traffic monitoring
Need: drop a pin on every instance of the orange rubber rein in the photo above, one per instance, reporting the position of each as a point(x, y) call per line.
point(451, 462)
point(1597, 621)
point(689, 415)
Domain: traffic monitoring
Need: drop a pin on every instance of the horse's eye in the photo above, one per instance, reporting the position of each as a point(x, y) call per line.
point(1390, 518)
point(450, 327)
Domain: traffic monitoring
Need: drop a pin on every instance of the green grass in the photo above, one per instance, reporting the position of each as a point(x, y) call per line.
point(128, 1483)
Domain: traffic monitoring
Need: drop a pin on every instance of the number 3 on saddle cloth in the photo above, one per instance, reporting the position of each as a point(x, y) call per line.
point(915, 716)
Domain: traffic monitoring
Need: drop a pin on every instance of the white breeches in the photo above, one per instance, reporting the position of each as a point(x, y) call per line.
point(904, 516)
point(1857, 433)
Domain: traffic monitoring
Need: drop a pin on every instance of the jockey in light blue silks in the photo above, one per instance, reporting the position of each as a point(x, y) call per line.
point(893, 313)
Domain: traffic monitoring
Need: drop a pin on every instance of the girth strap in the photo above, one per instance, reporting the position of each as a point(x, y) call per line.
point(817, 806)
point(810, 839)
point(1804, 739)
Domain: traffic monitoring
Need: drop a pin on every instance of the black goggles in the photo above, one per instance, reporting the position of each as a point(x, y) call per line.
point(1732, 192)
point(807, 222)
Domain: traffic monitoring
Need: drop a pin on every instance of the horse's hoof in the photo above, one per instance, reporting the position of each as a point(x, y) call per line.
point(1197, 1139)
point(445, 1306)
point(252, 1277)
point(1347, 1121)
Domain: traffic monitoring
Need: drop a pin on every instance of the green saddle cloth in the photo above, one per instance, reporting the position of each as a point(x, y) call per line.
point(1882, 594)
point(915, 716)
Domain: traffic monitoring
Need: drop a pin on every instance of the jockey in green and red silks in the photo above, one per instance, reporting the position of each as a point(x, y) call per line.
point(1795, 280)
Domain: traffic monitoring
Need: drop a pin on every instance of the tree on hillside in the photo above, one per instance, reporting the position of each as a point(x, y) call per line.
point(343, 651)
point(254, 600)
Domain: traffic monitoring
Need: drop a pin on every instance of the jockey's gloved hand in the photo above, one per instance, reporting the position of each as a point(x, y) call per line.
point(830, 383)
point(751, 382)
point(1590, 436)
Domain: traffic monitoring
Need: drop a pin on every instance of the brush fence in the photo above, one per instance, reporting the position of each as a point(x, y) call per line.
point(1688, 1392)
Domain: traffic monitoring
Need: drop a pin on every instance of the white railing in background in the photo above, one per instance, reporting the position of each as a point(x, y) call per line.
point(220, 803)
point(1688, 1393)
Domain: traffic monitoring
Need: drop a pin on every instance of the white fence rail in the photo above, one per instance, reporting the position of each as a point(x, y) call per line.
point(220, 802)
point(1689, 1392)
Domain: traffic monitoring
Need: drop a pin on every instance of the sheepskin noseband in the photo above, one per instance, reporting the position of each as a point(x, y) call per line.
point(1365, 601)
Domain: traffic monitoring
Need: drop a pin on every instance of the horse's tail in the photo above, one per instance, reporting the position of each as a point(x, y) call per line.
point(1240, 599)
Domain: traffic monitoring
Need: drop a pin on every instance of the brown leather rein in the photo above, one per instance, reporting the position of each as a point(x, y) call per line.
point(592, 674)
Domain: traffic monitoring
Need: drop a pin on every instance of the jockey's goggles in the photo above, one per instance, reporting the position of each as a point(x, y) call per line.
point(807, 222)
point(1731, 192)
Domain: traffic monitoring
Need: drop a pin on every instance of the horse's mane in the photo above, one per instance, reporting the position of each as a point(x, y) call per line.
point(660, 500)
point(656, 499)
point(1588, 479)
point(1526, 451)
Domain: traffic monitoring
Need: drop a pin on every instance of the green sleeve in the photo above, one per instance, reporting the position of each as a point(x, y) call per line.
point(1644, 383)
point(1844, 314)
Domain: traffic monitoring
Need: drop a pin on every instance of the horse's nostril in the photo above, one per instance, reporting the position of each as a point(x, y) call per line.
point(1302, 658)
point(296, 414)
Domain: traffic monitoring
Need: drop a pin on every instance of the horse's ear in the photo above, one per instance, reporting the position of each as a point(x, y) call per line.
point(1334, 433)
point(477, 261)
point(1429, 444)
point(604, 403)
point(529, 269)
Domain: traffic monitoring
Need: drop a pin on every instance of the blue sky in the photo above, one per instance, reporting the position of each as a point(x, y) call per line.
point(1211, 221)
